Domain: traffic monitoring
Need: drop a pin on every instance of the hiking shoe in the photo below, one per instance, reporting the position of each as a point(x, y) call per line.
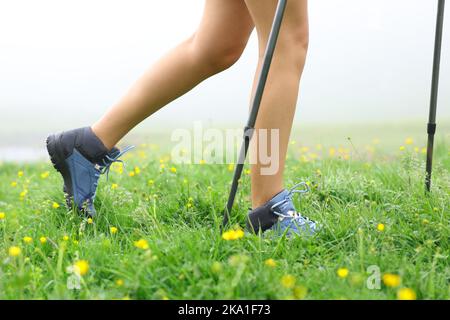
point(81, 157)
point(279, 214)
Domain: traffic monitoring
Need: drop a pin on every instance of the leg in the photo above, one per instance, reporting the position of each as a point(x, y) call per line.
point(280, 96)
point(218, 43)
point(82, 155)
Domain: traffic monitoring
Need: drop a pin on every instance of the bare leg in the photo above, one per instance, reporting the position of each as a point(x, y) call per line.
point(216, 45)
point(280, 96)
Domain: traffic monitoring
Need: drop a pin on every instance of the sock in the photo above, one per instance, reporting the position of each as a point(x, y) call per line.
point(86, 142)
point(284, 207)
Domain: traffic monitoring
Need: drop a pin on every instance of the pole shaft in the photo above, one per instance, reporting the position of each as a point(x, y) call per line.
point(267, 61)
point(255, 104)
point(431, 129)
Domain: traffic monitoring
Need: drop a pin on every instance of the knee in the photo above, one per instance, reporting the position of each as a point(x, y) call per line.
point(219, 56)
point(293, 45)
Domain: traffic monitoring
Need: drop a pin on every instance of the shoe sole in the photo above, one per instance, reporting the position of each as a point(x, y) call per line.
point(58, 160)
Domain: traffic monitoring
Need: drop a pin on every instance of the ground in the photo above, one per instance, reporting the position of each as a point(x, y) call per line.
point(157, 234)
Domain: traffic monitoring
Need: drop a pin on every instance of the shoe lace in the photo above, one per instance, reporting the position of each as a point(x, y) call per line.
point(292, 214)
point(107, 161)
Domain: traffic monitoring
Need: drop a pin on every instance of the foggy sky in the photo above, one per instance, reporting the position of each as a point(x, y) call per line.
point(68, 61)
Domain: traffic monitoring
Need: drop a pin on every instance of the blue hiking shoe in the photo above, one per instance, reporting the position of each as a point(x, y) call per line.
point(279, 214)
point(80, 157)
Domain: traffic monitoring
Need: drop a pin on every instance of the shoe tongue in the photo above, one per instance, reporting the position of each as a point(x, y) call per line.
point(113, 153)
point(285, 206)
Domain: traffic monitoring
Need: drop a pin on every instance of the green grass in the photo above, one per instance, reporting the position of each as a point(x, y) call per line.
point(179, 215)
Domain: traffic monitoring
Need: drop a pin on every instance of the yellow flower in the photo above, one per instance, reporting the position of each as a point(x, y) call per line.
point(20, 174)
point(14, 184)
point(288, 281)
point(391, 280)
point(233, 234)
point(247, 171)
point(132, 174)
point(238, 260)
point(141, 244)
point(270, 263)
point(55, 205)
point(239, 233)
point(342, 273)
point(190, 202)
point(332, 152)
point(402, 148)
point(137, 170)
point(27, 239)
point(113, 230)
point(43, 240)
point(173, 169)
point(81, 267)
point(23, 193)
point(14, 251)
point(230, 167)
point(300, 292)
point(202, 162)
point(150, 182)
point(90, 221)
point(119, 282)
point(304, 149)
point(406, 294)
point(2, 215)
point(66, 238)
point(409, 141)
point(44, 175)
point(117, 167)
point(357, 279)
point(114, 186)
point(216, 267)
point(227, 235)
point(380, 227)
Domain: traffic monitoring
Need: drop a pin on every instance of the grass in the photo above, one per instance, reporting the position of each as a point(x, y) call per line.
point(355, 193)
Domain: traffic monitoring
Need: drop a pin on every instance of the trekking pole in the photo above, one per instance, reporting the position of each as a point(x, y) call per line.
point(431, 128)
point(256, 102)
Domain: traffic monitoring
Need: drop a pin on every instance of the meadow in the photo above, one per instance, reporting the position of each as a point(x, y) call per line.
point(157, 234)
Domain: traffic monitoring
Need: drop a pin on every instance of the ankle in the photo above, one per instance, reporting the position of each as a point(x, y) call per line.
point(260, 200)
point(102, 136)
